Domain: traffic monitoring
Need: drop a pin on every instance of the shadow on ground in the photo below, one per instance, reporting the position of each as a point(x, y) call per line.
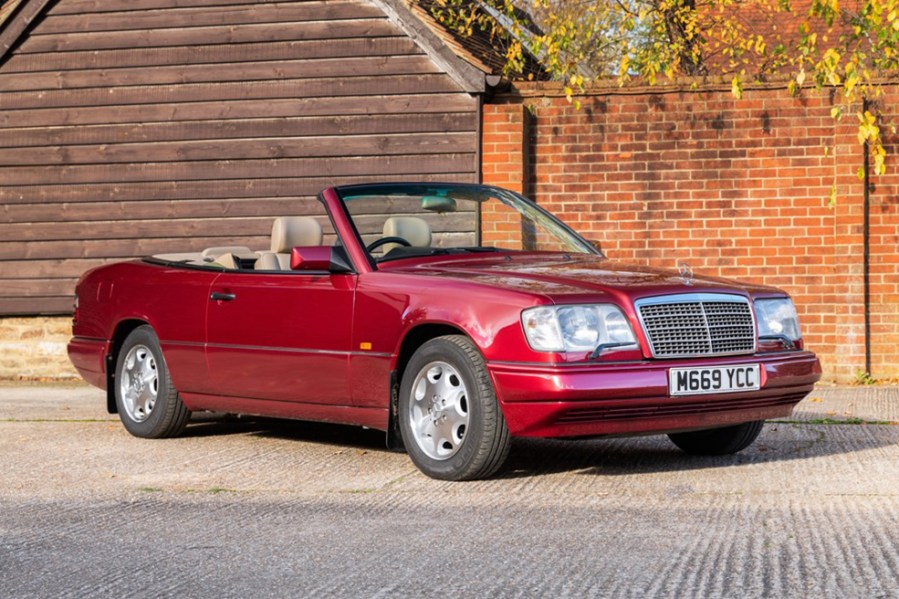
point(297, 430)
point(779, 441)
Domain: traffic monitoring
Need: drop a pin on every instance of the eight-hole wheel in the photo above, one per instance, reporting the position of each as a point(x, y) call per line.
point(451, 423)
point(147, 401)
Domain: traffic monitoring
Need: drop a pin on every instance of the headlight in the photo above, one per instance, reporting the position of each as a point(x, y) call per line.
point(777, 317)
point(575, 328)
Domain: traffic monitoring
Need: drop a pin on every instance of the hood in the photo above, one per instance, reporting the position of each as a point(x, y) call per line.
point(575, 278)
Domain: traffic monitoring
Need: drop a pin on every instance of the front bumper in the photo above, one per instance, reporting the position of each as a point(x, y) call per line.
point(632, 397)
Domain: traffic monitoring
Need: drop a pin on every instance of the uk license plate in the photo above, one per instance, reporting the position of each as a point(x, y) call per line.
point(720, 379)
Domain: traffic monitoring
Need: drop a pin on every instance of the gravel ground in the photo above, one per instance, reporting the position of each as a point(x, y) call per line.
point(256, 508)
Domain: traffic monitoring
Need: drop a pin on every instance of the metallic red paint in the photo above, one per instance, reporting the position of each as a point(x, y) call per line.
point(310, 258)
point(88, 357)
point(283, 337)
point(535, 398)
point(310, 345)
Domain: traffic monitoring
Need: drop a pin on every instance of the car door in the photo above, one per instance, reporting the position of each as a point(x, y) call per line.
point(177, 298)
point(282, 337)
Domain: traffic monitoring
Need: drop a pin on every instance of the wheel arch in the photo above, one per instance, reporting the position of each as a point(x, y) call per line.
point(419, 335)
point(121, 332)
point(414, 338)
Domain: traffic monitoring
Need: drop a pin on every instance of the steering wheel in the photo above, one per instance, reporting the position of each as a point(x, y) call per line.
point(384, 240)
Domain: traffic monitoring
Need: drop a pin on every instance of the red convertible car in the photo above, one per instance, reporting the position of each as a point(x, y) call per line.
point(453, 317)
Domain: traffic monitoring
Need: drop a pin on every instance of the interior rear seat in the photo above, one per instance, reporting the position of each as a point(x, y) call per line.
point(228, 260)
point(210, 254)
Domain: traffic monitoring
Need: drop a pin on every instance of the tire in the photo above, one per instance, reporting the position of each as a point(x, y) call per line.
point(148, 405)
point(449, 418)
point(719, 441)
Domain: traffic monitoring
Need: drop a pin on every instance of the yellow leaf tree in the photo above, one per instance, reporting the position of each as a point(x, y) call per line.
point(852, 47)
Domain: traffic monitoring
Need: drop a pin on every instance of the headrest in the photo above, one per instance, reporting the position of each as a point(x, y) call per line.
point(289, 232)
point(411, 228)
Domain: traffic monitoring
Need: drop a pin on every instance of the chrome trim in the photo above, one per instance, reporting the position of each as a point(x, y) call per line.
point(686, 273)
point(700, 298)
point(288, 350)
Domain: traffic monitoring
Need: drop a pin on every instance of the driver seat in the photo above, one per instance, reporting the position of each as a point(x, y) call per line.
point(411, 228)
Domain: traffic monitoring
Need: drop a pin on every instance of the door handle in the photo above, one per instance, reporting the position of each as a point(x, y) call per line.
point(222, 297)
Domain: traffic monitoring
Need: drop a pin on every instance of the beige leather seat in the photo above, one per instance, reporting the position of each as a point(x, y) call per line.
point(228, 260)
point(267, 261)
point(289, 232)
point(411, 228)
point(210, 254)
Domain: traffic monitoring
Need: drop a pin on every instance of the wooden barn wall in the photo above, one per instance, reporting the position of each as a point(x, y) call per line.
point(133, 127)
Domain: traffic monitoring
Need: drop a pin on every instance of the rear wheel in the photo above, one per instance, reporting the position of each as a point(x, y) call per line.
point(449, 417)
point(148, 404)
point(719, 441)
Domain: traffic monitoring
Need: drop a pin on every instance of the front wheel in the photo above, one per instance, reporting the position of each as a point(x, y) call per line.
point(449, 417)
point(148, 404)
point(719, 441)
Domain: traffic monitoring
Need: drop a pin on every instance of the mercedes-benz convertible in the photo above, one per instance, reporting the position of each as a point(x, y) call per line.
point(453, 317)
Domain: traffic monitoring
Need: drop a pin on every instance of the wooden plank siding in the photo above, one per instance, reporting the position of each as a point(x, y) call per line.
point(134, 127)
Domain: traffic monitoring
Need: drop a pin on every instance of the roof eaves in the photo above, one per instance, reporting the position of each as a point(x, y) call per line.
point(6, 9)
point(488, 41)
point(448, 57)
point(15, 17)
point(440, 31)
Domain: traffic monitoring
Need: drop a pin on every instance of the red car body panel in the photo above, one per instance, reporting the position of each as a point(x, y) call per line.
point(632, 397)
point(281, 333)
point(89, 358)
point(325, 346)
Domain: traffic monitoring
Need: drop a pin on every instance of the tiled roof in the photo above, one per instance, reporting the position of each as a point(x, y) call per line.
point(483, 49)
point(761, 17)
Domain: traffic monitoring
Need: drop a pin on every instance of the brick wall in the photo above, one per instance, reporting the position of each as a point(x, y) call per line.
point(35, 348)
point(736, 188)
point(504, 139)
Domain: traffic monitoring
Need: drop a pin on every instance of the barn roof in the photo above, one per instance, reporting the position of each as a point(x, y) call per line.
point(774, 24)
point(484, 48)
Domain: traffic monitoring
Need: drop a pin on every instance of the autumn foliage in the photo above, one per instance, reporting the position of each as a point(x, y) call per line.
point(822, 44)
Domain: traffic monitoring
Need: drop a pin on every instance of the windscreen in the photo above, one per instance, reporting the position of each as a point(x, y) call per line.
point(397, 221)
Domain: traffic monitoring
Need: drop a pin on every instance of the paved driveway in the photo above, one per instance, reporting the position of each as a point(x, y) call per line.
point(264, 508)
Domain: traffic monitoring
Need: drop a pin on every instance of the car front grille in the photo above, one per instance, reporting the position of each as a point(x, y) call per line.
point(703, 324)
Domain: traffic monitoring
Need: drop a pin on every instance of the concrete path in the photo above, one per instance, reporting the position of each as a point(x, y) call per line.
point(256, 508)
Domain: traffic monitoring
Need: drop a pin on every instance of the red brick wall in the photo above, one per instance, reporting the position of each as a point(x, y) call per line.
point(736, 188)
point(504, 140)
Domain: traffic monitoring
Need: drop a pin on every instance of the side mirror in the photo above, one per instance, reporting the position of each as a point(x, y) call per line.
point(597, 244)
point(319, 258)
